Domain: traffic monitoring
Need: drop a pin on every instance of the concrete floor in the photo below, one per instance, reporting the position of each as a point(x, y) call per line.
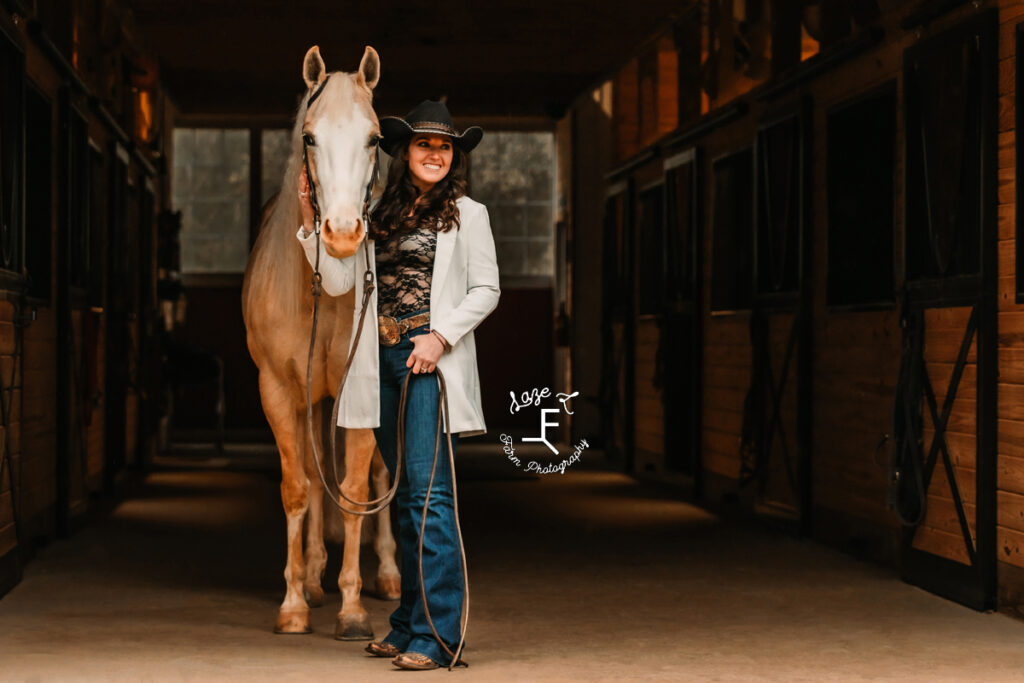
point(582, 576)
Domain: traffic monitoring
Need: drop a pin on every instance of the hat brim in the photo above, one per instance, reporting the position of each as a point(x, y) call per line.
point(397, 132)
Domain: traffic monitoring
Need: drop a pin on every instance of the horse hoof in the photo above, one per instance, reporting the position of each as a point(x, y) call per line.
point(293, 622)
point(315, 596)
point(353, 627)
point(389, 587)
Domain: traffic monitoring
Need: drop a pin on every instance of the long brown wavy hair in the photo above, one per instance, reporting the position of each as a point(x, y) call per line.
point(437, 212)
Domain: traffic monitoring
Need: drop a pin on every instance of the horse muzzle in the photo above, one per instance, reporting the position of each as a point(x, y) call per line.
point(342, 242)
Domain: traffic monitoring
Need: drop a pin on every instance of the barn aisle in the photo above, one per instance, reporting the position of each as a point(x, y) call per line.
point(588, 575)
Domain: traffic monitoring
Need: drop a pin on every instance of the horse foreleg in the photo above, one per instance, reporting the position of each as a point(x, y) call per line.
point(316, 553)
point(293, 616)
point(389, 580)
point(353, 621)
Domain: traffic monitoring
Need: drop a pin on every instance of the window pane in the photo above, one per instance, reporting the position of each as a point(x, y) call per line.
point(211, 188)
point(732, 258)
point(513, 174)
point(38, 191)
point(276, 146)
point(860, 180)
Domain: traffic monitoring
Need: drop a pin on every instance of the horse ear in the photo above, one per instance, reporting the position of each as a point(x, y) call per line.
point(369, 68)
point(313, 70)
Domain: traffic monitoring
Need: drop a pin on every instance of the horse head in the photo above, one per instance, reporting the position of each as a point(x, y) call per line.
point(340, 133)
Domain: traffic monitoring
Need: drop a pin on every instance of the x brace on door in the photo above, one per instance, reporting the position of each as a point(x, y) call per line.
point(759, 437)
point(940, 422)
point(909, 430)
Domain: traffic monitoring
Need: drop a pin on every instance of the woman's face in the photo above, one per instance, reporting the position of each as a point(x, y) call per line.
point(430, 158)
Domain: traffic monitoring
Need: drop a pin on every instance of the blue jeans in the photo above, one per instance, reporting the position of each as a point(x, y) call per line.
point(442, 566)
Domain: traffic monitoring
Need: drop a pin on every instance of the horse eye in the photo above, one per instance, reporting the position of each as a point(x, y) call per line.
point(308, 140)
point(374, 141)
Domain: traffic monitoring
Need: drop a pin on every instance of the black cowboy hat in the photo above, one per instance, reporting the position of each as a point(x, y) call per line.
point(428, 117)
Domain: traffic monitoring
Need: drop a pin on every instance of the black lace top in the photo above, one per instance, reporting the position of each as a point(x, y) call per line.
point(405, 265)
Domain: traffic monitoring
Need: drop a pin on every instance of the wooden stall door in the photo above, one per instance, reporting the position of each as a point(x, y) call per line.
point(946, 472)
point(120, 295)
point(777, 430)
point(617, 327)
point(681, 343)
point(77, 474)
point(648, 324)
point(149, 326)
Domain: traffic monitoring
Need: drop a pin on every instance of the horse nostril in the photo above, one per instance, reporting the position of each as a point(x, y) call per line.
point(327, 225)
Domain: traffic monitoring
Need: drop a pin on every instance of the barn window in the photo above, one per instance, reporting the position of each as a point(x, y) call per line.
point(147, 253)
point(38, 192)
point(860, 179)
point(681, 226)
point(513, 175)
point(12, 73)
point(617, 273)
point(129, 242)
point(945, 101)
point(76, 188)
point(779, 211)
point(732, 248)
point(100, 198)
point(650, 250)
point(211, 189)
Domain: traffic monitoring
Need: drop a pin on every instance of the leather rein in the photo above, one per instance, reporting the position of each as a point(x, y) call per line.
point(385, 500)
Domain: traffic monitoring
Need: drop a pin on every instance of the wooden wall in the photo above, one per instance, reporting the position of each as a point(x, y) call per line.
point(57, 469)
point(1010, 464)
point(855, 353)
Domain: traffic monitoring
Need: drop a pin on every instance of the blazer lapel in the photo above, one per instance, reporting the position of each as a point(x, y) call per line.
point(442, 258)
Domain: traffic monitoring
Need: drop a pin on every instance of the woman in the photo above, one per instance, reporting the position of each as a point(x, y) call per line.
point(437, 280)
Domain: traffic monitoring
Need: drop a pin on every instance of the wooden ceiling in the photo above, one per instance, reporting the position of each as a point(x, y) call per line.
point(493, 58)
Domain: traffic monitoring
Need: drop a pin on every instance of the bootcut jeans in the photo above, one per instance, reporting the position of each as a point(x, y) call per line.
point(442, 566)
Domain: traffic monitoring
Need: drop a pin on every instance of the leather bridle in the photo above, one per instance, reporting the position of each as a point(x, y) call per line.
point(385, 500)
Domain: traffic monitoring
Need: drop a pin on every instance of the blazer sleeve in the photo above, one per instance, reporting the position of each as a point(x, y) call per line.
point(482, 291)
point(339, 275)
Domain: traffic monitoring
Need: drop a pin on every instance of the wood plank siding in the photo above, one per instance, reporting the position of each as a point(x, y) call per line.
point(855, 350)
point(53, 312)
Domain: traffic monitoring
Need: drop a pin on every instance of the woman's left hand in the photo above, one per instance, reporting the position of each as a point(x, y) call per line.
point(427, 348)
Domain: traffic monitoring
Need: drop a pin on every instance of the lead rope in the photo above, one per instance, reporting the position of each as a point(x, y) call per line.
point(455, 661)
point(385, 500)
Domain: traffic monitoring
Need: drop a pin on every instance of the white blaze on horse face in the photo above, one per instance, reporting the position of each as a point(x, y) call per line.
point(343, 158)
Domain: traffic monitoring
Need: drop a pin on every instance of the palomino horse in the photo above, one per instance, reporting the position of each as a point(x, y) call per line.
point(277, 305)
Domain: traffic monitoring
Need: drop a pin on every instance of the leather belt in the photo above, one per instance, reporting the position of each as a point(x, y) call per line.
point(391, 329)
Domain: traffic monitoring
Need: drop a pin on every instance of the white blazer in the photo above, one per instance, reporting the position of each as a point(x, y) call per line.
point(463, 291)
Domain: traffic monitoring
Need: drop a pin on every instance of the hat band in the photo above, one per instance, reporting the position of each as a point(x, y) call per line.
point(432, 126)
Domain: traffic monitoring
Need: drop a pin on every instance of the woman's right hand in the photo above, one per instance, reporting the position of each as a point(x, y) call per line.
point(305, 205)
